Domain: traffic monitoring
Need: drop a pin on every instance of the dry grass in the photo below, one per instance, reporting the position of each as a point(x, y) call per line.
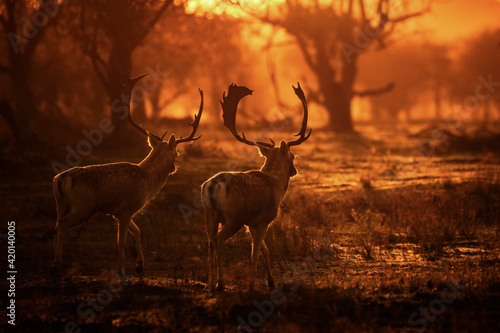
point(390, 252)
point(433, 218)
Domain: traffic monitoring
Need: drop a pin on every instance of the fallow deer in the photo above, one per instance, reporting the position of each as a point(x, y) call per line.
point(251, 198)
point(118, 189)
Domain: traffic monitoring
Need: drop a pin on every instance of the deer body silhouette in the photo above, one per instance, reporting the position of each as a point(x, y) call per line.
point(252, 198)
point(118, 189)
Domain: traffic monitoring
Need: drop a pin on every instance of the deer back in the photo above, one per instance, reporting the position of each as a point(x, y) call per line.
point(113, 188)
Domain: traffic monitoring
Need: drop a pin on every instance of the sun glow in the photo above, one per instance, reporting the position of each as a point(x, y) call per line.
point(234, 8)
point(242, 8)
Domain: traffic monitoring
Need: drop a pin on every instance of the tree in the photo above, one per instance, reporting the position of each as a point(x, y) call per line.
point(331, 37)
point(110, 31)
point(195, 51)
point(24, 24)
point(477, 74)
point(417, 69)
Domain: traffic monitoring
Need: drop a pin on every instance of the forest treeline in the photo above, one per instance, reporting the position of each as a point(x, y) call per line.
point(61, 63)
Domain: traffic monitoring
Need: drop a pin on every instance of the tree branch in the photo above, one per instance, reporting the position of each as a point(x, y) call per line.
point(153, 21)
point(314, 96)
point(349, 10)
point(363, 13)
point(306, 53)
point(96, 60)
point(271, 67)
point(3, 23)
point(409, 16)
point(385, 20)
point(373, 92)
point(33, 42)
point(90, 49)
point(100, 74)
point(9, 20)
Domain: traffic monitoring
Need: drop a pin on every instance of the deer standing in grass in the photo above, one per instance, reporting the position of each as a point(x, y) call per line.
point(118, 189)
point(251, 198)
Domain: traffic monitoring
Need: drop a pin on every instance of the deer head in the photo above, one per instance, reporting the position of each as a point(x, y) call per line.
point(159, 146)
point(276, 157)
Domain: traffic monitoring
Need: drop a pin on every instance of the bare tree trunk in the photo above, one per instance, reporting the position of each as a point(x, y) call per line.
point(139, 114)
point(25, 106)
point(24, 99)
point(337, 96)
point(338, 107)
point(22, 135)
point(20, 60)
point(119, 64)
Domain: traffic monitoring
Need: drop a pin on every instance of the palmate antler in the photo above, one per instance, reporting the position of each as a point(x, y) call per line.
point(229, 105)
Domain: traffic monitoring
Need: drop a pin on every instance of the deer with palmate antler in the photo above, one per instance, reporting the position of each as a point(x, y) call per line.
point(251, 198)
point(118, 189)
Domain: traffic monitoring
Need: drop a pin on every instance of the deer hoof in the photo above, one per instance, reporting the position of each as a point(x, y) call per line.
point(139, 268)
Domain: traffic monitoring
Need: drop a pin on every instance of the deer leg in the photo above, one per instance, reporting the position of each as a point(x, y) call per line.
point(258, 238)
point(265, 256)
point(123, 225)
point(229, 230)
point(63, 225)
point(134, 229)
point(212, 228)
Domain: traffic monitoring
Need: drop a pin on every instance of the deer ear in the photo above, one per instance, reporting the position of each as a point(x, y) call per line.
point(171, 141)
point(263, 150)
point(283, 147)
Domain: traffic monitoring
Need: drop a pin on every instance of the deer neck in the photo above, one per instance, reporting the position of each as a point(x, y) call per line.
point(157, 168)
point(280, 173)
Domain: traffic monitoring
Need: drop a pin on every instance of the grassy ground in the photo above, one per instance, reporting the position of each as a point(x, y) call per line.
point(366, 240)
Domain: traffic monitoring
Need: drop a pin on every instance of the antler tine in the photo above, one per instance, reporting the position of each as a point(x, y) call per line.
point(195, 123)
point(127, 88)
point(302, 133)
point(229, 105)
point(265, 144)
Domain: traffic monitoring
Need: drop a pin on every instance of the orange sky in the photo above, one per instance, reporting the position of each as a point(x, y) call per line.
point(448, 20)
point(452, 20)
